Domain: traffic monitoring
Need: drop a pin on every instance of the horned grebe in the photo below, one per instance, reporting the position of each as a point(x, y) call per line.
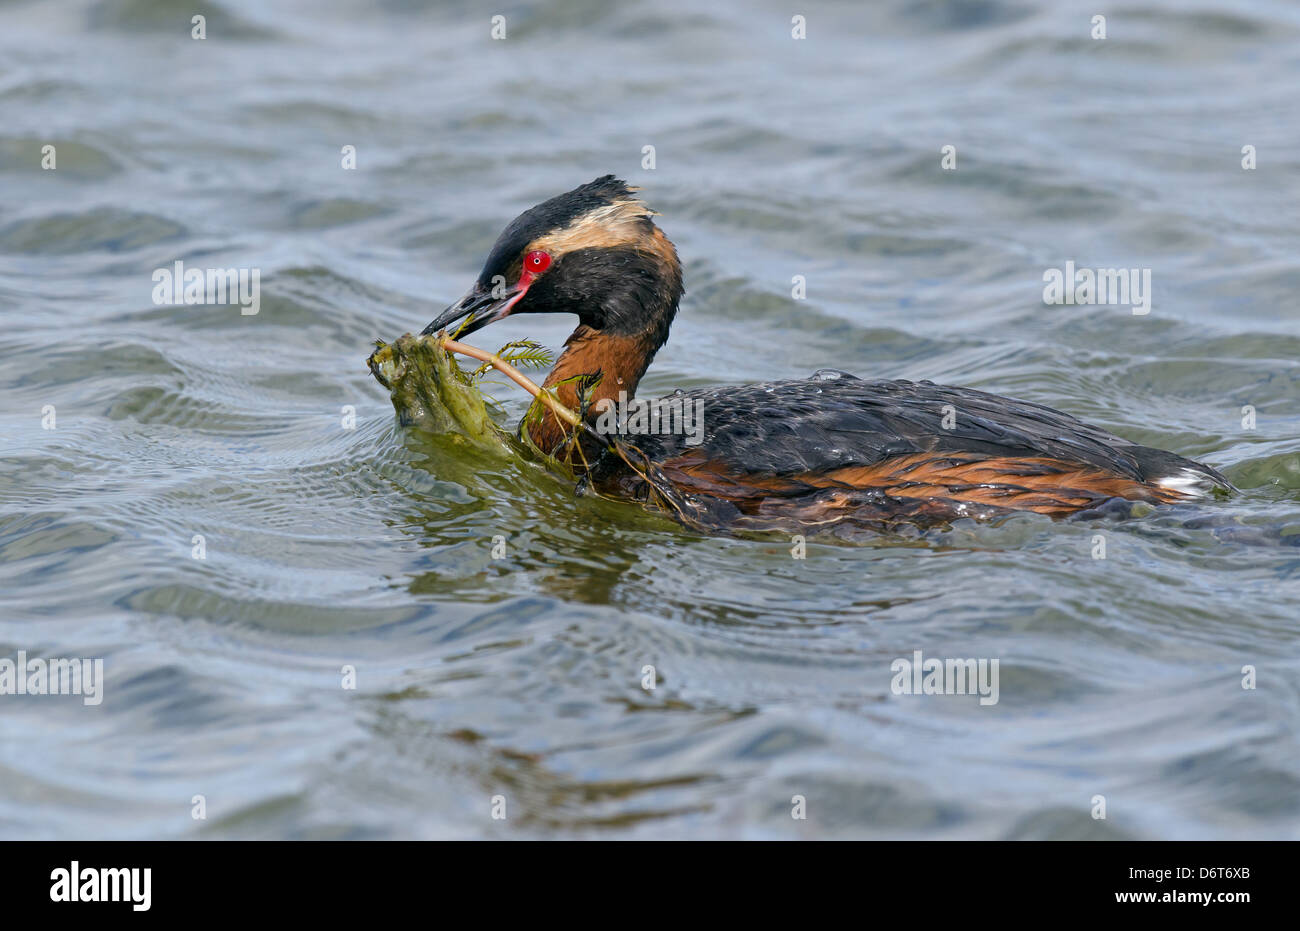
point(816, 449)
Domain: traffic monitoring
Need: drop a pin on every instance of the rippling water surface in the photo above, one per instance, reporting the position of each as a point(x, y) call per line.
point(521, 676)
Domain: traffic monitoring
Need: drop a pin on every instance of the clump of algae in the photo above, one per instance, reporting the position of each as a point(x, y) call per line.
point(431, 392)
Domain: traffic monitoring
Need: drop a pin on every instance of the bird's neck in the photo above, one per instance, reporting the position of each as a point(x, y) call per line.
point(621, 360)
point(635, 315)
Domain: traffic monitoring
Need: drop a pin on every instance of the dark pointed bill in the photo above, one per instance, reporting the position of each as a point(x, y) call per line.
point(480, 306)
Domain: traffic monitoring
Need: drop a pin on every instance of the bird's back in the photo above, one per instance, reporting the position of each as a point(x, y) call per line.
point(909, 441)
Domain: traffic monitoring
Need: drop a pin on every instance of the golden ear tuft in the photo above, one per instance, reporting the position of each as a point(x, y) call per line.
point(620, 211)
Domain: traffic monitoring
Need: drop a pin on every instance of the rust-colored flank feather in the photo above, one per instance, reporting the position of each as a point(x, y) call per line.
point(835, 447)
point(945, 482)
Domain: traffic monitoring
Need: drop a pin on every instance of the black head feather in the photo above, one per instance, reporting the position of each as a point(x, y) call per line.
point(548, 216)
point(629, 284)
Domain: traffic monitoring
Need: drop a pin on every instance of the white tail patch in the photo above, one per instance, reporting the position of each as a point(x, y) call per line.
point(1188, 482)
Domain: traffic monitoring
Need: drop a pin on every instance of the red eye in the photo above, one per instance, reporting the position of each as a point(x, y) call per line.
point(536, 262)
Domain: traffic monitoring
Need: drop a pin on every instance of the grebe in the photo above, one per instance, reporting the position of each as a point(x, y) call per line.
point(815, 449)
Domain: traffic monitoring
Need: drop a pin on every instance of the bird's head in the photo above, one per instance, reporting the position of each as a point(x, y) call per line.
point(593, 252)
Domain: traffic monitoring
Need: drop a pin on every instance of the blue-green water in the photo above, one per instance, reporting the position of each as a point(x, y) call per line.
point(330, 544)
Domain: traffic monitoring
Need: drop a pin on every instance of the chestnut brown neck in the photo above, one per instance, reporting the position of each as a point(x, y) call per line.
point(625, 297)
point(621, 360)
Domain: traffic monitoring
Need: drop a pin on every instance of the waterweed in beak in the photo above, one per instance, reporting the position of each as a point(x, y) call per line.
point(430, 391)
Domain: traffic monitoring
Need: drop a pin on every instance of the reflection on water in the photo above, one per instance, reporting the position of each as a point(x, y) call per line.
point(327, 547)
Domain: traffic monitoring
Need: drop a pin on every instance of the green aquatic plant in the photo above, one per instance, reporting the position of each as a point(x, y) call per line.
point(431, 392)
point(521, 353)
